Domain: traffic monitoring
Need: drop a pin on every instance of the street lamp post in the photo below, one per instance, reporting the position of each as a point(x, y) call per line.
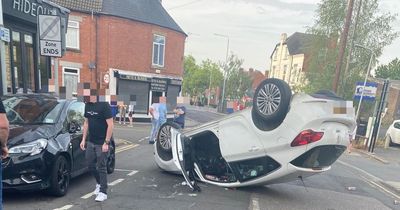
point(225, 68)
point(366, 78)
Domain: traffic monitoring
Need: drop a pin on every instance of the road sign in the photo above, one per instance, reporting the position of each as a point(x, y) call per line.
point(50, 48)
point(50, 27)
point(50, 35)
point(369, 91)
point(5, 34)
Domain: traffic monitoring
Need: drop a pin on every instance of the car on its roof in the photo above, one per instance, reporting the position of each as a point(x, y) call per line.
point(44, 143)
point(281, 138)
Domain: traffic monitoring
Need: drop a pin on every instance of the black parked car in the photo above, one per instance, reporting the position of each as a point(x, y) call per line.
point(44, 143)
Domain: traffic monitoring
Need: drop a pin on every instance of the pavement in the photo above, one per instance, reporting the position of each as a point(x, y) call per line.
point(382, 166)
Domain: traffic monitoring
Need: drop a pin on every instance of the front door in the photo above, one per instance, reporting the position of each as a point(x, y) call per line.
point(22, 61)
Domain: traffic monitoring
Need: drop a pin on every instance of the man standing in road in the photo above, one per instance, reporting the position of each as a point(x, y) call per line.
point(153, 111)
point(3, 143)
point(179, 117)
point(99, 124)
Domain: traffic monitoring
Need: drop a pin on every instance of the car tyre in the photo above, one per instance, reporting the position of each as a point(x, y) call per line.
point(163, 143)
point(111, 159)
point(390, 141)
point(271, 100)
point(60, 176)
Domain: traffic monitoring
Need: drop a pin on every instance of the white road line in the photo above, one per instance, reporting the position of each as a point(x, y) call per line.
point(132, 173)
point(375, 180)
point(144, 138)
point(65, 207)
point(115, 182)
point(254, 204)
point(87, 195)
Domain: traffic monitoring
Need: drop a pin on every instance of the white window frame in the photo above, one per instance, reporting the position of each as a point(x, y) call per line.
point(78, 73)
point(158, 52)
point(75, 25)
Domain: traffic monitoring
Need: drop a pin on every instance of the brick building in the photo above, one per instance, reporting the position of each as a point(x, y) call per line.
point(136, 44)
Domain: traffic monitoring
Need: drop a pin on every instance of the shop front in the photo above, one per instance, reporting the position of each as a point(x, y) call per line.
point(26, 70)
point(140, 89)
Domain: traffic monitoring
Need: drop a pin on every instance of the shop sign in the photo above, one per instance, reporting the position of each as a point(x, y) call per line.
point(134, 77)
point(159, 85)
point(27, 9)
point(175, 82)
point(368, 90)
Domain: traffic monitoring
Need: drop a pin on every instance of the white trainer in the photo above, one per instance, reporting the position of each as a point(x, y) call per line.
point(101, 197)
point(97, 190)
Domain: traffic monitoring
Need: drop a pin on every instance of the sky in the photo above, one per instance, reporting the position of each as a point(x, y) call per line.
point(253, 27)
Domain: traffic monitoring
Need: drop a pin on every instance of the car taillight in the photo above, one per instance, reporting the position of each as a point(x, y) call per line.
point(306, 137)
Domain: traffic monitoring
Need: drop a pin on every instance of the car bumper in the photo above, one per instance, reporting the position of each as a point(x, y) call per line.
point(25, 173)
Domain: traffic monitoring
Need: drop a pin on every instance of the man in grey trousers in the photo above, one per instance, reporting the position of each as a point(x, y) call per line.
point(99, 124)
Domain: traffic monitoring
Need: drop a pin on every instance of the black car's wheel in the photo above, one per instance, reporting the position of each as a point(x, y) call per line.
point(163, 143)
point(60, 176)
point(111, 159)
point(271, 100)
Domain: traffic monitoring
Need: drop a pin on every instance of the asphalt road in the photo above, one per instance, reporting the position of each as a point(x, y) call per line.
point(138, 183)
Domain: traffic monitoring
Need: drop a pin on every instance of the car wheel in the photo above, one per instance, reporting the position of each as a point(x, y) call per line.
point(60, 176)
point(111, 159)
point(271, 100)
point(163, 143)
point(390, 140)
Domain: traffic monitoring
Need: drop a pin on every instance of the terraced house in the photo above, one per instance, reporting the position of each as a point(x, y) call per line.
point(132, 49)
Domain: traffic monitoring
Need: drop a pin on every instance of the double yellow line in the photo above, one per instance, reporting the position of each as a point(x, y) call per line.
point(125, 147)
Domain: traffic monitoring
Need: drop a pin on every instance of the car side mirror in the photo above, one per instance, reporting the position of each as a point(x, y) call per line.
point(74, 127)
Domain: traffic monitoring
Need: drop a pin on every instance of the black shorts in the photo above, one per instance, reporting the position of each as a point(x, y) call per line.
point(131, 113)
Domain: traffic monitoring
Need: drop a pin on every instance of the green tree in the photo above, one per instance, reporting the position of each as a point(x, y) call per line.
point(374, 30)
point(189, 69)
point(238, 81)
point(391, 70)
point(196, 78)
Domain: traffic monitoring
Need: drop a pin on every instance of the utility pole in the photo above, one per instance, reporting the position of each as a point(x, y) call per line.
point(352, 38)
point(343, 42)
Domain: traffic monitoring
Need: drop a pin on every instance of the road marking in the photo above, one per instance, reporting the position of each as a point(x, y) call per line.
point(132, 173)
point(109, 184)
point(372, 182)
point(254, 203)
point(87, 195)
point(115, 182)
point(65, 207)
point(144, 138)
point(124, 148)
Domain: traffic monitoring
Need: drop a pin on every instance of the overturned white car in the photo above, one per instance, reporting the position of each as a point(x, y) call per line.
point(282, 138)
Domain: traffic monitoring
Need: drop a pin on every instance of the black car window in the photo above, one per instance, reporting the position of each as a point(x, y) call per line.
point(397, 125)
point(32, 109)
point(76, 113)
point(253, 168)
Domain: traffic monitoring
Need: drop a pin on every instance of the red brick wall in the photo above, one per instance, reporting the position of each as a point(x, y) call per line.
point(123, 44)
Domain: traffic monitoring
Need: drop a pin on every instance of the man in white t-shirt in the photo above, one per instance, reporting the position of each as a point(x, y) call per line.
point(154, 119)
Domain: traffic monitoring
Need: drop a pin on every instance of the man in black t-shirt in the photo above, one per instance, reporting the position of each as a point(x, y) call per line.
point(3, 144)
point(99, 124)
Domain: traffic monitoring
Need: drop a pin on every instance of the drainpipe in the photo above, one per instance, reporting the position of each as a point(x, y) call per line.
point(3, 56)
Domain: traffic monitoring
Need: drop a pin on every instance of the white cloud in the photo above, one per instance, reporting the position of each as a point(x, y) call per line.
point(253, 26)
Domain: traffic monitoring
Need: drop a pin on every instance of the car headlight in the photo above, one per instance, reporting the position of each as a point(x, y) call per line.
point(32, 148)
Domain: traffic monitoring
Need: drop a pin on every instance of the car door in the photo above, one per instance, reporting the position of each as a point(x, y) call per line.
point(75, 119)
point(180, 154)
point(238, 141)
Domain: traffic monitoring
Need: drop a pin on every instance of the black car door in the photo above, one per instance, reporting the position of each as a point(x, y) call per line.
point(75, 119)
